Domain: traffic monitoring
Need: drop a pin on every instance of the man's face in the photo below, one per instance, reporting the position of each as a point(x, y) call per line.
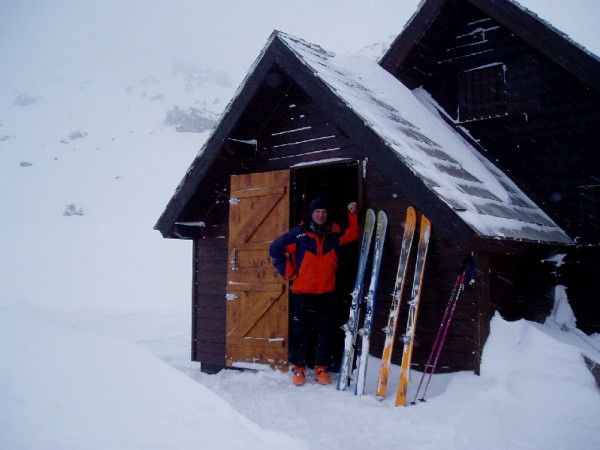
point(319, 216)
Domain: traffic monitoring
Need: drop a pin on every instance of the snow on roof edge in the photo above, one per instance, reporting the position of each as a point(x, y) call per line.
point(351, 88)
point(542, 16)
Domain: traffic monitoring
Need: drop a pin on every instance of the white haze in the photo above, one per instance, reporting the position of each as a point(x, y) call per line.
point(95, 304)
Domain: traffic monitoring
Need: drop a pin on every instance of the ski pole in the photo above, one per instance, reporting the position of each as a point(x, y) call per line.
point(467, 273)
point(443, 340)
point(439, 333)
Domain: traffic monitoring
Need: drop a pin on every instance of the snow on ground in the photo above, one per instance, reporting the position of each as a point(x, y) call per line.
point(99, 379)
point(95, 305)
point(73, 389)
point(532, 394)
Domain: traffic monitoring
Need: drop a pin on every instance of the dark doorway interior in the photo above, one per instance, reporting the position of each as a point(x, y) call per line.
point(340, 184)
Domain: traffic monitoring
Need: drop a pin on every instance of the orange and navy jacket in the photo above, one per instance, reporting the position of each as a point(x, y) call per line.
point(309, 258)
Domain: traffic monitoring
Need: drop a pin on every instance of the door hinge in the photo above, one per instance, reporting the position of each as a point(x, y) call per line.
point(233, 260)
point(234, 201)
point(231, 297)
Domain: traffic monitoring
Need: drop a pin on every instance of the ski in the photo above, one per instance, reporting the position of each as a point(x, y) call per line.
point(466, 277)
point(365, 331)
point(413, 310)
point(390, 330)
point(351, 327)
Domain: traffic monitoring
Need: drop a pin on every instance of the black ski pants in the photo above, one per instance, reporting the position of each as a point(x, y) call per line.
point(312, 313)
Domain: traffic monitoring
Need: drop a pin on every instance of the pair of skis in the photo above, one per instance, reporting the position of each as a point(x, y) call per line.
point(413, 304)
point(351, 328)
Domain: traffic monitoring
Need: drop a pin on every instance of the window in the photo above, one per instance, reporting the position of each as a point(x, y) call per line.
point(481, 93)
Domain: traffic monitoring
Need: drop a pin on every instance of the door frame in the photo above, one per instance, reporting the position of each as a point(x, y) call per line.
point(340, 182)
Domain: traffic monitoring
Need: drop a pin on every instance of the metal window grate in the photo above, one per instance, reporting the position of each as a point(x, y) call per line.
point(482, 93)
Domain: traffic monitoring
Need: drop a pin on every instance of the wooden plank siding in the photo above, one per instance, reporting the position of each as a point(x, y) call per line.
point(442, 266)
point(546, 142)
point(523, 286)
point(295, 131)
point(298, 131)
point(283, 127)
point(463, 347)
point(208, 292)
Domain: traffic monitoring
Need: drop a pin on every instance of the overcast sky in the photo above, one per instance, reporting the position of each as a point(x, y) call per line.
point(220, 34)
point(577, 18)
point(39, 35)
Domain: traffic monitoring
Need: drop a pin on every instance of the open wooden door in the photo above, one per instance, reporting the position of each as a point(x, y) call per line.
point(257, 296)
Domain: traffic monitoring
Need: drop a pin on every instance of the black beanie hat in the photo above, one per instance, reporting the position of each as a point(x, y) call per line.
point(318, 203)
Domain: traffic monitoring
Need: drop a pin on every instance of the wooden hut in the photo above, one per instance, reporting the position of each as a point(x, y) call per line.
point(306, 122)
point(530, 97)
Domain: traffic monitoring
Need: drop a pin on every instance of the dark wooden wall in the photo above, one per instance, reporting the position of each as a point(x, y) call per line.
point(547, 141)
point(298, 131)
point(580, 274)
point(461, 351)
point(289, 128)
point(209, 285)
point(523, 285)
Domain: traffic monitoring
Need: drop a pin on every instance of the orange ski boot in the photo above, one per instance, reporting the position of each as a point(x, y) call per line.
point(322, 375)
point(299, 375)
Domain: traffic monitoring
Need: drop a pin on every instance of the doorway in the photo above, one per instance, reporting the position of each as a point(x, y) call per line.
point(340, 184)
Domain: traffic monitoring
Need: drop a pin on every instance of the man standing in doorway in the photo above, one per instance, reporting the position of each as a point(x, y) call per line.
point(307, 255)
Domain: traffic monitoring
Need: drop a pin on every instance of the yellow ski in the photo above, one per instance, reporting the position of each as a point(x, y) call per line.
point(413, 310)
point(390, 329)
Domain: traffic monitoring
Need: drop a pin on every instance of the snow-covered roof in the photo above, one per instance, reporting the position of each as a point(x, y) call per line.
point(564, 32)
point(477, 191)
point(575, 19)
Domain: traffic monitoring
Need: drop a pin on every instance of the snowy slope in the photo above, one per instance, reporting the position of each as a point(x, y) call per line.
point(70, 389)
point(94, 304)
point(97, 379)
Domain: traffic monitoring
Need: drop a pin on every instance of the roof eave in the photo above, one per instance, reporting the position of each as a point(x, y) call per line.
point(545, 38)
point(549, 41)
point(354, 126)
point(409, 37)
point(214, 144)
